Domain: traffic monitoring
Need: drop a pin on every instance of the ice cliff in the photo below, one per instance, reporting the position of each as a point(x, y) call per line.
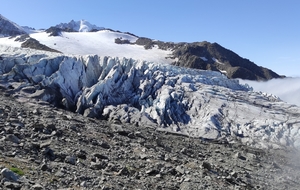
point(193, 102)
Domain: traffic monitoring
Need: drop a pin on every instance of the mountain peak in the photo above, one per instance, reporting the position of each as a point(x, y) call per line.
point(78, 26)
point(9, 28)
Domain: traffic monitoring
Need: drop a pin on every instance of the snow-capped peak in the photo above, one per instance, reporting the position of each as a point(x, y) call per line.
point(79, 26)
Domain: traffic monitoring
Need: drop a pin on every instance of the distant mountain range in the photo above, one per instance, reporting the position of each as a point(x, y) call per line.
point(81, 37)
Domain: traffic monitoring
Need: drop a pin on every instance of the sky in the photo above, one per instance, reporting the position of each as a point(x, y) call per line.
point(266, 32)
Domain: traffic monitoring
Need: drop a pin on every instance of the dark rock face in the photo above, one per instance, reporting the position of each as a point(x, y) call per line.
point(34, 44)
point(22, 38)
point(121, 41)
point(148, 43)
point(215, 57)
point(55, 31)
point(211, 56)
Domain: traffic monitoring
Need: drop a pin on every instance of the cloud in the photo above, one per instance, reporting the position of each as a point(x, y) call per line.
point(287, 89)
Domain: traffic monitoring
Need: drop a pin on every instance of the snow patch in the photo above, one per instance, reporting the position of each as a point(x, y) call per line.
point(216, 60)
point(9, 41)
point(101, 43)
point(204, 58)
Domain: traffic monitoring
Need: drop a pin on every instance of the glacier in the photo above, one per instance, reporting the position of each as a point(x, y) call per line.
point(197, 103)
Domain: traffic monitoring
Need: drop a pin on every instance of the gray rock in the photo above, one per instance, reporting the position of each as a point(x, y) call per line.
point(143, 156)
point(91, 112)
point(100, 156)
point(180, 169)
point(123, 171)
point(38, 126)
point(98, 165)
point(36, 111)
point(45, 144)
point(104, 145)
point(12, 138)
point(152, 172)
point(120, 129)
point(206, 165)
point(10, 175)
point(81, 154)
point(37, 187)
point(234, 174)
point(239, 156)
point(59, 174)
point(44, 167)
point(12, 185)
point(48, 152)
point(70, 160)
point(83, 184)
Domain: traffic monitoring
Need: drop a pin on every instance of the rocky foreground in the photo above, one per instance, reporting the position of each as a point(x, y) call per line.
point(43, 147)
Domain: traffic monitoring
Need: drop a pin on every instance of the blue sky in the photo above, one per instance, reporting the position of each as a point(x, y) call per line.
point(266, 32)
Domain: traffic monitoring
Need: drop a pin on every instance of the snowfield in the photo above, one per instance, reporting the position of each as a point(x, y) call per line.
point(100, 43)
point(192, 102)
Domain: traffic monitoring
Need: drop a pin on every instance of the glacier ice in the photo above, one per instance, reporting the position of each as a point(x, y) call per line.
point(193, 102)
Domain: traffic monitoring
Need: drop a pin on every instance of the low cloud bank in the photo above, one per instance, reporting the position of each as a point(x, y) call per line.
point(287, 89)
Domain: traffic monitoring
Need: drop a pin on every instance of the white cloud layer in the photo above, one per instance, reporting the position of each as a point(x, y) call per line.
point(287, 89)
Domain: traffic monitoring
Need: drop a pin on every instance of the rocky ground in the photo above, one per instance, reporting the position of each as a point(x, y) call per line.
point(43, 147)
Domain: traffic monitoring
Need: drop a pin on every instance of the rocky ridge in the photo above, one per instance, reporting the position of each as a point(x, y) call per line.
point(211, 56)
point(28, 42)
point(50, 148)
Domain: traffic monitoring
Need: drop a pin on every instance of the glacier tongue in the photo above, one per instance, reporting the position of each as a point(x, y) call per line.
point(193, 102)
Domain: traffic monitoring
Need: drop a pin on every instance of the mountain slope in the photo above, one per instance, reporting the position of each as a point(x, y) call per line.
point(220, 58)
point(211, 56)
point(9, 28)
point(101, 43)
